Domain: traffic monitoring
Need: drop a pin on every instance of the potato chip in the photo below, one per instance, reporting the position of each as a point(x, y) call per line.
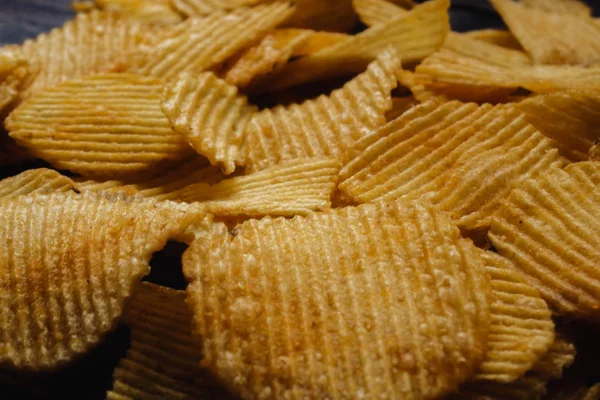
point(107, 124)
point(317, 41)
point(499, 37)
point(14, 72)
point(408, 79)
point(399, 106)
point(549, 37)
point(270, 54)
point(149, 11)
point(401, 313)
point(463, 158)
point(330, 15)
point(163, 360)
point(35, 181)
point(571, 119)
point(68, 263)
point(560, 6)
point(521, 329)
point(414, 35)
point(546, 228)
point(91, 43)
point(375, 12)
point(199, 44)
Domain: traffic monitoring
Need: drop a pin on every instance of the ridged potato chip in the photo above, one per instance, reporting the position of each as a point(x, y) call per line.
point(163, 360)
point(521, 330)
point(414, 35)
point(317, 41)
point(463, 158)
point(570, 118)
point(330, 15)
point(499, 37)
point(200, 44)
point(14, 73)
point(90, 43)
point(575, 7)
point(376, 301)
point(35, 181)
point(547, 229)
point(419, 91)
point(68, 263)
point(107, 124)
point(374, 12)
point(399, 106)
point(148, 11)
point(550, 37)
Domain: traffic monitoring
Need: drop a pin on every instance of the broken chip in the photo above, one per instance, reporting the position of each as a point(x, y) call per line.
point(403, 310)
point(107, 124)
point(35, 181)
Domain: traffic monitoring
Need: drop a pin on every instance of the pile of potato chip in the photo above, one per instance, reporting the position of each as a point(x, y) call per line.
point(393, 212)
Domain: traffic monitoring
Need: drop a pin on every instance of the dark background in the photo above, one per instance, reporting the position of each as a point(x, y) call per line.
point(89, 378)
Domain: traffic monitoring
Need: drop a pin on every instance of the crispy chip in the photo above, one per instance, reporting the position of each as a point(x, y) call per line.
point(108, 124)
point(521, 329)
point(571, 119)
point(68, 263)
point(399, 106)
point(14, 72)
point(414, 35)
point(375, 12)
point(401, 312)
point(317, 41)
point(163, 360)
point(149, 11)
point(408, 79)
point(463, 158)
point(560, 6)
point(331, 15)
point(35, 181)
point(552, 38)
point(199, 44)
point(499, 37)
point(91, 43)
point(547, 228)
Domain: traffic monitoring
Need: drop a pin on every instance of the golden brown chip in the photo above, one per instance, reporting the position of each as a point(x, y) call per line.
point(91, 43)
point(35, 181)
point(420, 92)
point(108, 124)
point(521, 329)
point(199, 44)
point(550, 37)
point(317, 41)
point(375, 12)
point(414, 35)
point(399, 106)
point(560, 6)
point(163, 360)
point(463, 158)
point(373, 301)
point(571, 119)
point(14, 72)
point(149, 11)
point(499, 37)
point(547, 229)
point(68, 263)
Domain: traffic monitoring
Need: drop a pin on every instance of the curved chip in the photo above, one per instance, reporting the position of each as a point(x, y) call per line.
point(91, 43)
point(571, 119)
point(399, 106)
point(317, 41)
point(550, 37)
point(402, 312)
point(148, 11)
point(163, 360)
point(35, 181)
point(14, 73)
point(109, 124)
point(68, 263)
point(199, 44)
point(463, 158)
point(374, 12)
point(521, 330)
point(547, 229)
point(414, 35)
point(499, 37)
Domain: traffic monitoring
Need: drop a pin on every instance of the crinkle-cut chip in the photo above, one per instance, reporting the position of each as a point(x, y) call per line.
point(329, 15)
point(199, 44)
point(547, 229)
point(163, 360)
point(326, 126)
point(163, 183)
point(35, 181)
point(549, 37)
point(521, 329)
point(90, 43)
point(414, 35)
point(531, 386)
point(375, 12)
point(269, 55)
point(448, 71)
point(408, 79)
point(107, 124)
point(14, 73)
point(67, 265)
point(560, 6)
point(571, 119)
point(212, 117)
point(399, 106)
point(403, 311)
point(317, 41)
point(499, 37)
point(463, 158)
point(148, 11)
point(296, 187)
